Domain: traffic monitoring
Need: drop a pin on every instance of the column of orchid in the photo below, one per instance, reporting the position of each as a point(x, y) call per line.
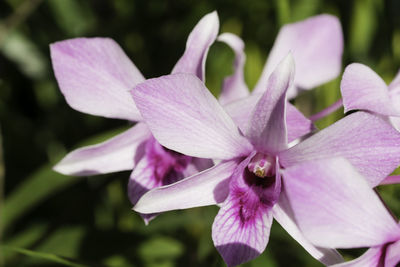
point(252, 153)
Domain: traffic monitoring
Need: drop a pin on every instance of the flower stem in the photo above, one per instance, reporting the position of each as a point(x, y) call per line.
point(325, 112)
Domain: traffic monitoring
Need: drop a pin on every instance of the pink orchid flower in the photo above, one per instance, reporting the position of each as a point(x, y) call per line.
point(95, 76)
point(250, 182)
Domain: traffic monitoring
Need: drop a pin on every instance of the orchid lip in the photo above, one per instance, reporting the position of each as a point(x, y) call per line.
point(262, 165)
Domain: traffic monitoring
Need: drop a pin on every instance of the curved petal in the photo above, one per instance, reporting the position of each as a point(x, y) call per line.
point(393, 254)
point(363, 89)
point(317, 46)
point(234, 86)
point(184, 116)
point(296, 123)
point(119, 153)
point(95, 76)
point(241, 229)
point(205, 188)
point(368, 141)
point(267, 126)
point(199, 41)
point(372, 257)
point(284, 216)
point(335, 207)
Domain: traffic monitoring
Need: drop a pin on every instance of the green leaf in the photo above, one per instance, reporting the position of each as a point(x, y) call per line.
point(44, 256)
point(283, 10)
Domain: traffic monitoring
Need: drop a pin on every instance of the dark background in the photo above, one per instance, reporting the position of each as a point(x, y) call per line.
point(89, 220)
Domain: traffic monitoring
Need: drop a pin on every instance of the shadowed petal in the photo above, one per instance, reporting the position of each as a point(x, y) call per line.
point(184, 116)
point(363, 89)
point(116, 154)
point(205, 188)
point(317, 46)
point(362, 138)
point(234, 86)
point(199, 41)
point(239, 241)
point(296, 123)
point(267, 125)
point(95, 76)
point(284, 216)
point(335, 207)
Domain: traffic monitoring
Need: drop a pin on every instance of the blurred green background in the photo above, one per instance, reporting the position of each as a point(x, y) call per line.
point(48, 219)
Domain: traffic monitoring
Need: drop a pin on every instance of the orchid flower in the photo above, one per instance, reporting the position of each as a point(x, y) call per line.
point(95, 76)
point(363, 89)
point(184, 116)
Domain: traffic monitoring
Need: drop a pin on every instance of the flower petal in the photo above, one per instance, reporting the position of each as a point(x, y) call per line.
point(94, 74)
point(372, 257)
point(369, 142)
point(116, 154)
point(205, 188)
point(363, 89)
point(317, 46)
point(393, 254)
point(184, 116)
point(234, 86)
point(284, 216)
point(297, 124)
point(199, 41)
point(267, 126)
point(393, 179)
point(335, 207)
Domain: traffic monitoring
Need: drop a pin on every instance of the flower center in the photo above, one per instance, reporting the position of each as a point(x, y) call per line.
point(262, 165)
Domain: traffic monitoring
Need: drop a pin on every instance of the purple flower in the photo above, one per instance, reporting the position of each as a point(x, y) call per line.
point(250, 182)
point(95, 76)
